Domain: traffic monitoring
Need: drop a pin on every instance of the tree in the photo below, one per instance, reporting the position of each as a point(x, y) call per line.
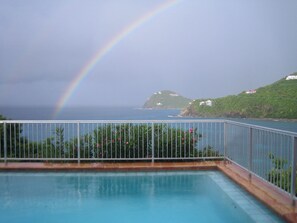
point(13, 138)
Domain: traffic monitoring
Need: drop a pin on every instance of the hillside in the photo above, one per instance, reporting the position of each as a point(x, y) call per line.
point(167, 100)
point(278, 100)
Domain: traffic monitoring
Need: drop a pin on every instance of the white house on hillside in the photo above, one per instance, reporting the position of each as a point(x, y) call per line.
point(207, 103)
point(291, 77)
point(251, 92)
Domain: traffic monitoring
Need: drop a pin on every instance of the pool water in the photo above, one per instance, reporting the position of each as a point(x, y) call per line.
point(194, 196)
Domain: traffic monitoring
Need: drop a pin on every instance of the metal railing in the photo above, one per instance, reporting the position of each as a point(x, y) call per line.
point(110, 140)
point(267, 153)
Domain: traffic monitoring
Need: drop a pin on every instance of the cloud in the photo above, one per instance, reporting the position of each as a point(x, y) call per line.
point(200, 49)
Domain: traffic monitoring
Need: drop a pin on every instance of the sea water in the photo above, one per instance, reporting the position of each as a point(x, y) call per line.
point(121, 113)
point(87, 113)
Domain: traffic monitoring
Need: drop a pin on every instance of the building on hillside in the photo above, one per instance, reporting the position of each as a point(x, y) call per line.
point(209, 103)
point(291, 77)
point(206, 103)
point(251, 92)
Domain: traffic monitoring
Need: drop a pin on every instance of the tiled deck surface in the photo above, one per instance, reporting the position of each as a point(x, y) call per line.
point(279, 202)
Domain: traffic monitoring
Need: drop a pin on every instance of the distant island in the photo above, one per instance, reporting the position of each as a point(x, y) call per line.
point(278, 100)
point(166, 100)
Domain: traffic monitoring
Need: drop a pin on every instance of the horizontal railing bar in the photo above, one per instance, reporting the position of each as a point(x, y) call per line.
point(258, 127)
point(112, 121)
point(94, 159)
point(192, 158)
point(72, 159)
point(40, 159)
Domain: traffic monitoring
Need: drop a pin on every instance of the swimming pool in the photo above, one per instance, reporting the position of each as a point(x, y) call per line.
point(184, 196)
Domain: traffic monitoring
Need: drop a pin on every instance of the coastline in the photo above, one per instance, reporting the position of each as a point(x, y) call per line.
point(289, 125)
point(251, 118)
point(183, 112)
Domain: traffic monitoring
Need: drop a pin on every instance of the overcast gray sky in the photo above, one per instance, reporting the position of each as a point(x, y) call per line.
point(198, 48)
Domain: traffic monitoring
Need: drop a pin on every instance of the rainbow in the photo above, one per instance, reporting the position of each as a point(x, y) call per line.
point(85, 70)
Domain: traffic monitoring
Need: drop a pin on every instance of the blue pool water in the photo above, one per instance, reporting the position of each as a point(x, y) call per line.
point(206, 196)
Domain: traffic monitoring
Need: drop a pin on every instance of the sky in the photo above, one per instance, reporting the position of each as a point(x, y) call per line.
point(198, 48)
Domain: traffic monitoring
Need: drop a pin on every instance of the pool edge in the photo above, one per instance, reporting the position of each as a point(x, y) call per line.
point(274, 199)
point(277, 201)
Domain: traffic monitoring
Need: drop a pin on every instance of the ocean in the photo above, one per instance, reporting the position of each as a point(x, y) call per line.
point(121, 113)
point(87, 113)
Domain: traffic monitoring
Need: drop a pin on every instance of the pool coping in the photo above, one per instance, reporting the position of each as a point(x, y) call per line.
point(276, 200)
point(269, 195)
point(107, 166)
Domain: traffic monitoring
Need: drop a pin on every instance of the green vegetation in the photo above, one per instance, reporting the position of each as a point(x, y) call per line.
point(110, 141)
point(12, 142)
point(278, 100)
point(280, 174)
point(167, 100)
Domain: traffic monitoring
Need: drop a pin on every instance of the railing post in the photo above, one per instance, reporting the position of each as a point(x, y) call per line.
point(293, 175)
point(153, 143)
point(225, 142)
point(250, 155)
point(78, 143)
point(5, 143)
